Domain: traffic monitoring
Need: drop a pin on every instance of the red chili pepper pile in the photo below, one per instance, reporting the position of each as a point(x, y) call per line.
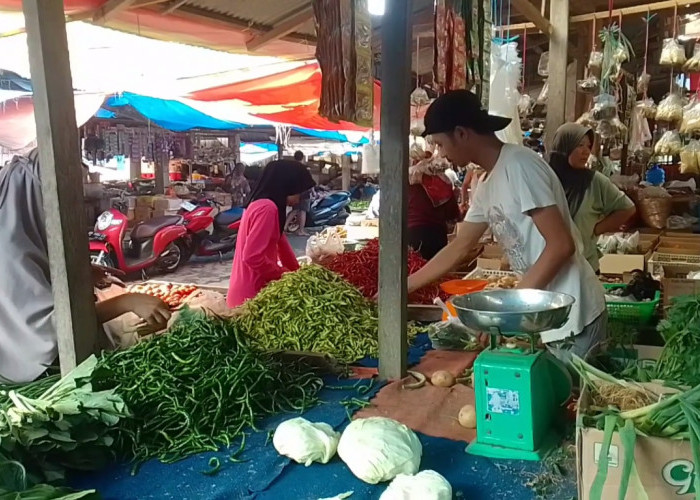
point(361, 269)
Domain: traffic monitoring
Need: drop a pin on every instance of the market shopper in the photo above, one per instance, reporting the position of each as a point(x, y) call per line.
point(240, 188)
point(525, 206)
point(28, 341)
point(263, 252)
point(596, 204)
point(304, 205)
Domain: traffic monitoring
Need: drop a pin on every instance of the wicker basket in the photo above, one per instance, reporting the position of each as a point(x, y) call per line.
point(655, 211)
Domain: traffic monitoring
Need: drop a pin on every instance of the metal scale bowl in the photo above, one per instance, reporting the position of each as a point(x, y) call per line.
point(519, 389)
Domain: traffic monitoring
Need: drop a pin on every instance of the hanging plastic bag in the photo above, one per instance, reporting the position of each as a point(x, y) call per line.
point(306, 442)
point(648, 108)
point(640, 133)
point(621, 54)
point(378, 449)
point(370, 159)
point(669, 144)
point(605, 107)
point(419, 97)
point(588, 85)
point(525, 104)
point(672, 53)
point(587, 120)
point(692, 65)
point(543, 65)
point(450, 334)
point(595, 60)
point(544, 93)
point(506, 72)
point(426, 485)
point(643, 83)
point(670, 109)
point(690, 158)
point(691, 120)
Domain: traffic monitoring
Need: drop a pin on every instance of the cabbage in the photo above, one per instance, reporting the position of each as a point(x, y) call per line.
point(306, 442)
point(426, 485)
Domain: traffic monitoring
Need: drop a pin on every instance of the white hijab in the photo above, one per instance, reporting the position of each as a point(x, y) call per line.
point(27, 336)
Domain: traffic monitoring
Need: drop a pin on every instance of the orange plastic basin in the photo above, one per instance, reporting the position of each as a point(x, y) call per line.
point(462, 287)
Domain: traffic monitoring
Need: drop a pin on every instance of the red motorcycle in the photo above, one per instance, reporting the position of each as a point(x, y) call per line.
point(212, 232)
point(159, 243)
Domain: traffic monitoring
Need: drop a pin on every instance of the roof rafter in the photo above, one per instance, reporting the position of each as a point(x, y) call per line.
point(284, 28)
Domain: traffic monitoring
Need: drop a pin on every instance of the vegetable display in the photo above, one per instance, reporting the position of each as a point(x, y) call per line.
point(361, 269)
point(315, 310)
point(55, 424)
point(173, 295)
point(199, 388)
point(679, 361)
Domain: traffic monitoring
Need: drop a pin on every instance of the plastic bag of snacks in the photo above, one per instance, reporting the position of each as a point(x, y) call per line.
point(648, 107)
point(587, 120)
point(670, 109)
point(690, 158)
point(621, 54)
point(669, 144)
point(691, 120)
point(543, 65)
point(588, 85)
point(605, 107)
point(595, 60)
point(692, 65)
point(544, 93)
point(524, 104)
point(643, 83)
point(672, 53)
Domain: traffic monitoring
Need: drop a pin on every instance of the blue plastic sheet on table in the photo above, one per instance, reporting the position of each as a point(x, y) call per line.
point(421, 344)
point(471, 477)
point(234, 481)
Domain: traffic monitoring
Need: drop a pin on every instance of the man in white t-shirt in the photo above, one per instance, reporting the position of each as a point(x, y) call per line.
point(524, 205)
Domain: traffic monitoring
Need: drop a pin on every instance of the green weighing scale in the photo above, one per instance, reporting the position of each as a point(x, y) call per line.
point(520, 389)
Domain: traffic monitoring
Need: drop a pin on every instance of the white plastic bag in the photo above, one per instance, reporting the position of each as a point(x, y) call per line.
point(325, 244)
point(505, 77)
point(370, 159)
point(306, 442)
point(450, 334)
point(426, 485)
point(672, 53)
point(670, 109)
point(595, 60)
point(377, 449)
point(691, 119)
point(669, 144)
point(690, 158)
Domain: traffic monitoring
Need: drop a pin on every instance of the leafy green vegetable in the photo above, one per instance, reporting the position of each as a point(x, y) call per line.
point(198, 388)
point(680, 359)
point(66, 425)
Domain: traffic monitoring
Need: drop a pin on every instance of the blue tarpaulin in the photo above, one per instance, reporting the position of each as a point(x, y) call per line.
point(171, 115)
point(329, 135)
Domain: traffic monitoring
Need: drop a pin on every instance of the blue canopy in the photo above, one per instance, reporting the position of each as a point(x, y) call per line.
point(330, 135)
point(171, 115)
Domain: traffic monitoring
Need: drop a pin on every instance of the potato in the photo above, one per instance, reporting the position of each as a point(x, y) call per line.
point(442, 378)
point(467, 417)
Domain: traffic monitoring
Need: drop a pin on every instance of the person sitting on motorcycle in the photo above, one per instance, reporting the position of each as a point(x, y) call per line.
point(240, 188)
point(263, 252)
point(28, 340)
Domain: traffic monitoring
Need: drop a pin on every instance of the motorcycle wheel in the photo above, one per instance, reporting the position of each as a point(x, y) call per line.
point(292, 225)
point(173, 256)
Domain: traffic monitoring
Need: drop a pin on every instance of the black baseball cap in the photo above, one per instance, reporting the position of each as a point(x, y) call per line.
point(460, 108)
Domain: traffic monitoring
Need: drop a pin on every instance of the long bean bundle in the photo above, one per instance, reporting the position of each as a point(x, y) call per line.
point(314, 310)
point(199, 388)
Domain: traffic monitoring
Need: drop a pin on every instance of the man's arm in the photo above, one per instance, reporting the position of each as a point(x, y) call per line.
point(449, 257)
point(559, 247)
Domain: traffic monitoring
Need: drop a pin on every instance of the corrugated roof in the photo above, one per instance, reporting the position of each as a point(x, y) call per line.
point(258, 14)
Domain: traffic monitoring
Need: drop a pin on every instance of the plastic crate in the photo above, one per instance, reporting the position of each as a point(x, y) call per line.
point(478, 273)
point(659, 260)
point(641, 313)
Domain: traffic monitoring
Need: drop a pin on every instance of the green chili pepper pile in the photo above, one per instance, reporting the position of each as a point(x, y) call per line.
point(313, 309)
point(199, 388)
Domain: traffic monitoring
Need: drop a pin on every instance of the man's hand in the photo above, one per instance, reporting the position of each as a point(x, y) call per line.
point(153, 311)
point(104, 277)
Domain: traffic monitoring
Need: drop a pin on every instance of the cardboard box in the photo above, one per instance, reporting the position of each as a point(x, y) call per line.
point(493, 258)
point(675, 282)
point(130, 214)
point(161, 203)
point(614, 264)
point(131, 202)
point(664, 466)
point(142, 213)
point(158, 213)
point(144, 201)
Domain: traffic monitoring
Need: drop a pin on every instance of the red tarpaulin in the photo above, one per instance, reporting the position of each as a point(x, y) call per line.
point(298, 89)
point(176, 27)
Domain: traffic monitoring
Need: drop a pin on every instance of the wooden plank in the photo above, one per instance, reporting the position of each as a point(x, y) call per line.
point(282, 29)
point(396, 89)
point(62, 186)
point(346, 172)
point(558, 61)
point(531, 13)
point(172, 8)
point(110, 8)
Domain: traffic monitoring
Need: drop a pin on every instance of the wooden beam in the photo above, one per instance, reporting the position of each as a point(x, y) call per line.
point(61, 181)
point(172, 8)
point(531, 13)
point(110, 8)
point(282, 29)
point(558, 62)
point(393, 241)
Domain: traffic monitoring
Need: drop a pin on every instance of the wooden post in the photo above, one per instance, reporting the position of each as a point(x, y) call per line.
point(558, 53)
point(393, 161)
point(346, 166)
point(61, 181)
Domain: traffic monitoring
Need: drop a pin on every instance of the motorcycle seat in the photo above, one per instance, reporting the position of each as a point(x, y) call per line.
point(148, 229)
point(229, 217)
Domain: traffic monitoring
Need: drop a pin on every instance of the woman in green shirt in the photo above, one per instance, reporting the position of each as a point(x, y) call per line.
point(597, 206)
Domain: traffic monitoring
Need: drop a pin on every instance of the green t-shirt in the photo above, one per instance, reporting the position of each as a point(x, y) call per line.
point(602, 198)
